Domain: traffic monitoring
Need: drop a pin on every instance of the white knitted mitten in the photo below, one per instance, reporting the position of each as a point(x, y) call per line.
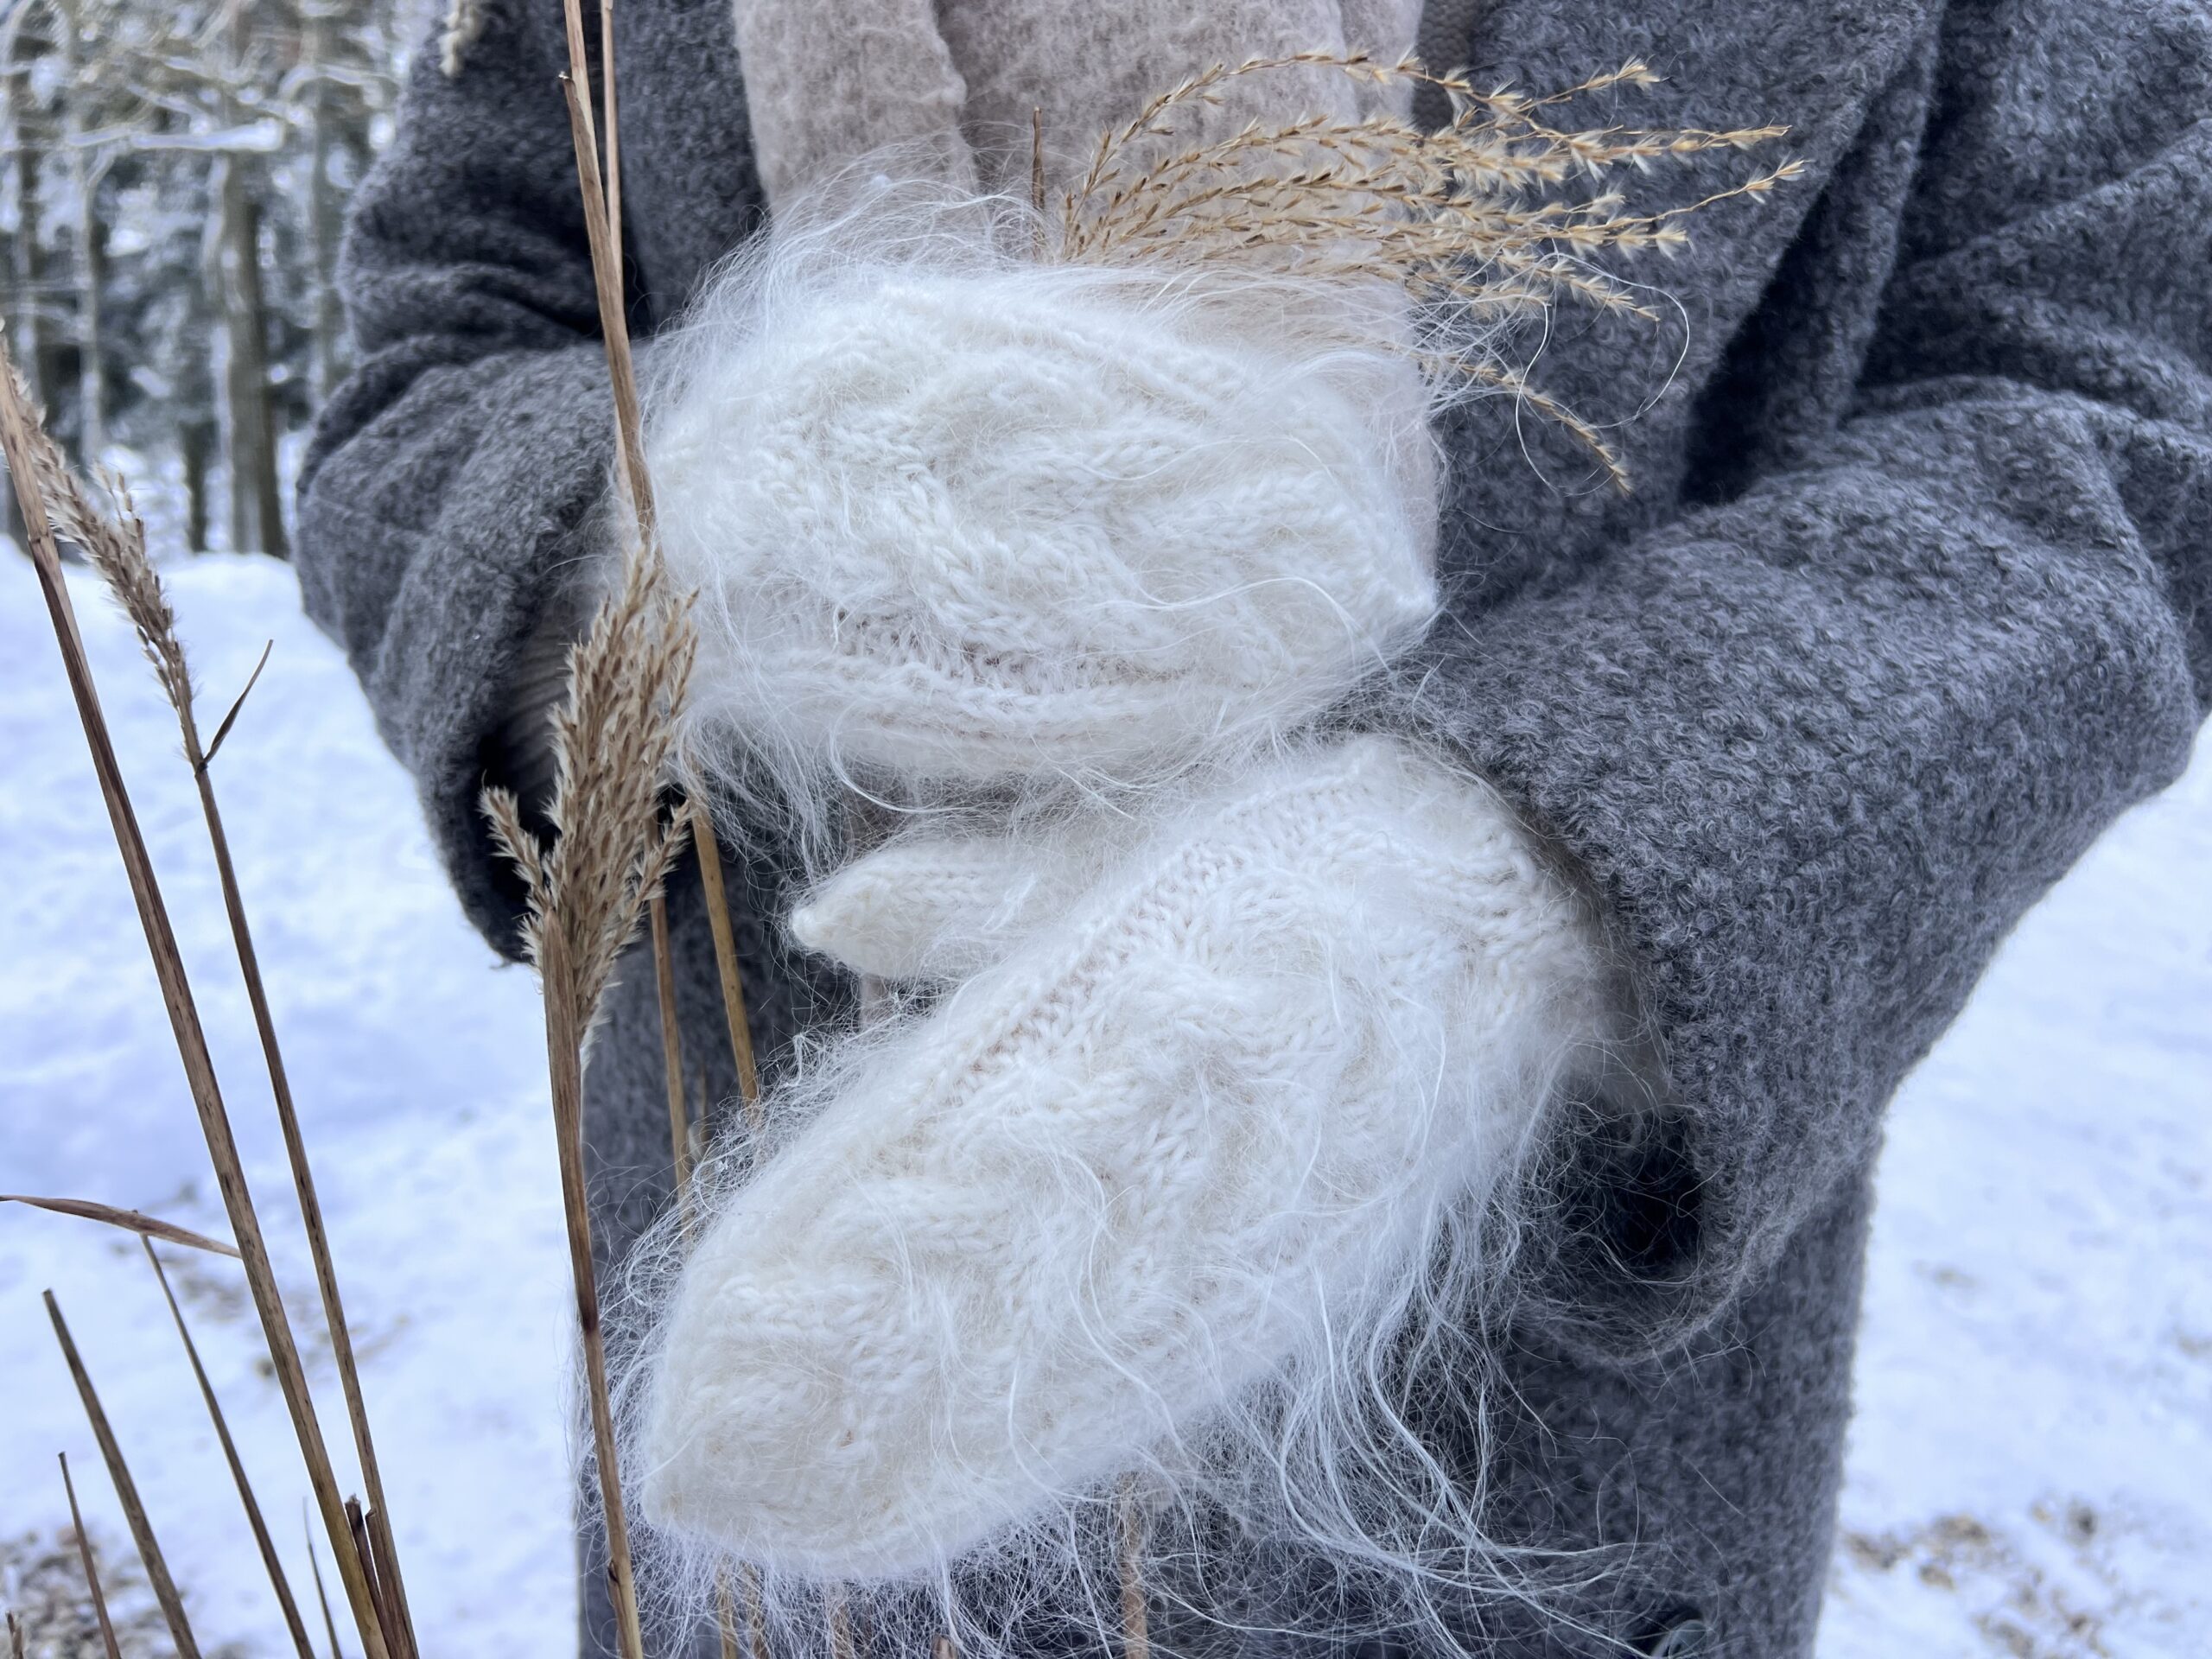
point(984, 523)
point(955, 512)
point(1212, 1096)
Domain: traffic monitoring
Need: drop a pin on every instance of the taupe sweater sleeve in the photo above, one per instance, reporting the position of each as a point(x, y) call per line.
point(1820, 741)
point(450, 482)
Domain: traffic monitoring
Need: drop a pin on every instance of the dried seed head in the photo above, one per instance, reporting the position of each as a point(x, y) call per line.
point(113, 541)
point(1468, 221)
point(612, 739)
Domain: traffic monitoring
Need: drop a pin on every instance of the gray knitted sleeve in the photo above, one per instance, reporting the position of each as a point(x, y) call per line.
point(451, 480)
point(1819, 743)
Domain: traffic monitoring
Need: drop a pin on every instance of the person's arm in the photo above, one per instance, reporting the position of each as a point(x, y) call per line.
point(1817, 748)
point(446, 503)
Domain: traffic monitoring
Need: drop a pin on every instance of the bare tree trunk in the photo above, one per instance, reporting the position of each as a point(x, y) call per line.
point(324, 211)
point(242, 379)
point(92, 276)
point(85, 174)
point(196, 439)
point(29, 309)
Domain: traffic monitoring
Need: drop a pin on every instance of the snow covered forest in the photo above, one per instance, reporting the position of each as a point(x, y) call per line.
point(2031, 1470)
point(176, 182)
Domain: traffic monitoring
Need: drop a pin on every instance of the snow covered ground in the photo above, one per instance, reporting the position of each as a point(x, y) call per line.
point(2031, 1469)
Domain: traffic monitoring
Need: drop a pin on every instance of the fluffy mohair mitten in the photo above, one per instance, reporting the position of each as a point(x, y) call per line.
point(963, 516)
point(1202, 1105)
point(957, 511)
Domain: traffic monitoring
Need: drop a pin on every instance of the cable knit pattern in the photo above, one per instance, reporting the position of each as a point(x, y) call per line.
point(985, 522)
point(1161, 1147)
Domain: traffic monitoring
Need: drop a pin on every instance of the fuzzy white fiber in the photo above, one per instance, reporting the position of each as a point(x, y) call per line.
point(954, 513)
point(1168, 1185)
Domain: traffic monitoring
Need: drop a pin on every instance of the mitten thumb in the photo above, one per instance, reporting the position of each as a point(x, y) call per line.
point(939, 907)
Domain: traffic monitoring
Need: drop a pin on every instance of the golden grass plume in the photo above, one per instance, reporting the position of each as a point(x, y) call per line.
point(1479, 218)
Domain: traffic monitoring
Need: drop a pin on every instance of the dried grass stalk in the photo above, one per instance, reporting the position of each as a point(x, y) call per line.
point(725, 1618)
point(115, 544)
point(400, 1630)
point(91, 1573)
point(384, 1563)
point(680, 1133)
point(613, 847)
point(321, 1595)
point(261, 1540)
point(586, 892)
point(756, 1612)
point(671, 1056)
point(51, 498)
point(126, 1491)
point(1466, 220)
point(357, 1524)
point(1136, 1641)
point(131, 1221)
point(718, 919)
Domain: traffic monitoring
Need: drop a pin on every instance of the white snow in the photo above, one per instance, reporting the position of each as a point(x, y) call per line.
point(2032, 1466)
point(419, 1069)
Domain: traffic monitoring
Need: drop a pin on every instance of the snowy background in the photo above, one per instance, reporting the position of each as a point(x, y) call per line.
point(2031, 1467)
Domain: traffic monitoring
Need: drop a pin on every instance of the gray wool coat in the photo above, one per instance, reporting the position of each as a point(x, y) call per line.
point(1912, 597)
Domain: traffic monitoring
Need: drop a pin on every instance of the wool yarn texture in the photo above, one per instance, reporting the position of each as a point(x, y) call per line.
point(1199, 1125)
point(952, 513)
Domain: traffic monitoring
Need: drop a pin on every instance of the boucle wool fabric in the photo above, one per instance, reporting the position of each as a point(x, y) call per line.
point(1183, 1133)
point(1912, 598)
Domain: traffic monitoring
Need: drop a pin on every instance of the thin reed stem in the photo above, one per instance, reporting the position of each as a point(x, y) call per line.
point(725, 1617)
point(671, 1056)
point(261, 1538)
point(399, 1630)
point(385, 1562)
point(91, 1573)
point(603, 231)
point(564, 1038)
point(610, 741)
point(126, 1490)
point(718, 919)
point(679, 1140)
point(130, 1221)
point(321, 1595)
point(756, 1612)
point(33, 464)
point(1136, 1641)
point(358, 1525)
point(610, 118)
